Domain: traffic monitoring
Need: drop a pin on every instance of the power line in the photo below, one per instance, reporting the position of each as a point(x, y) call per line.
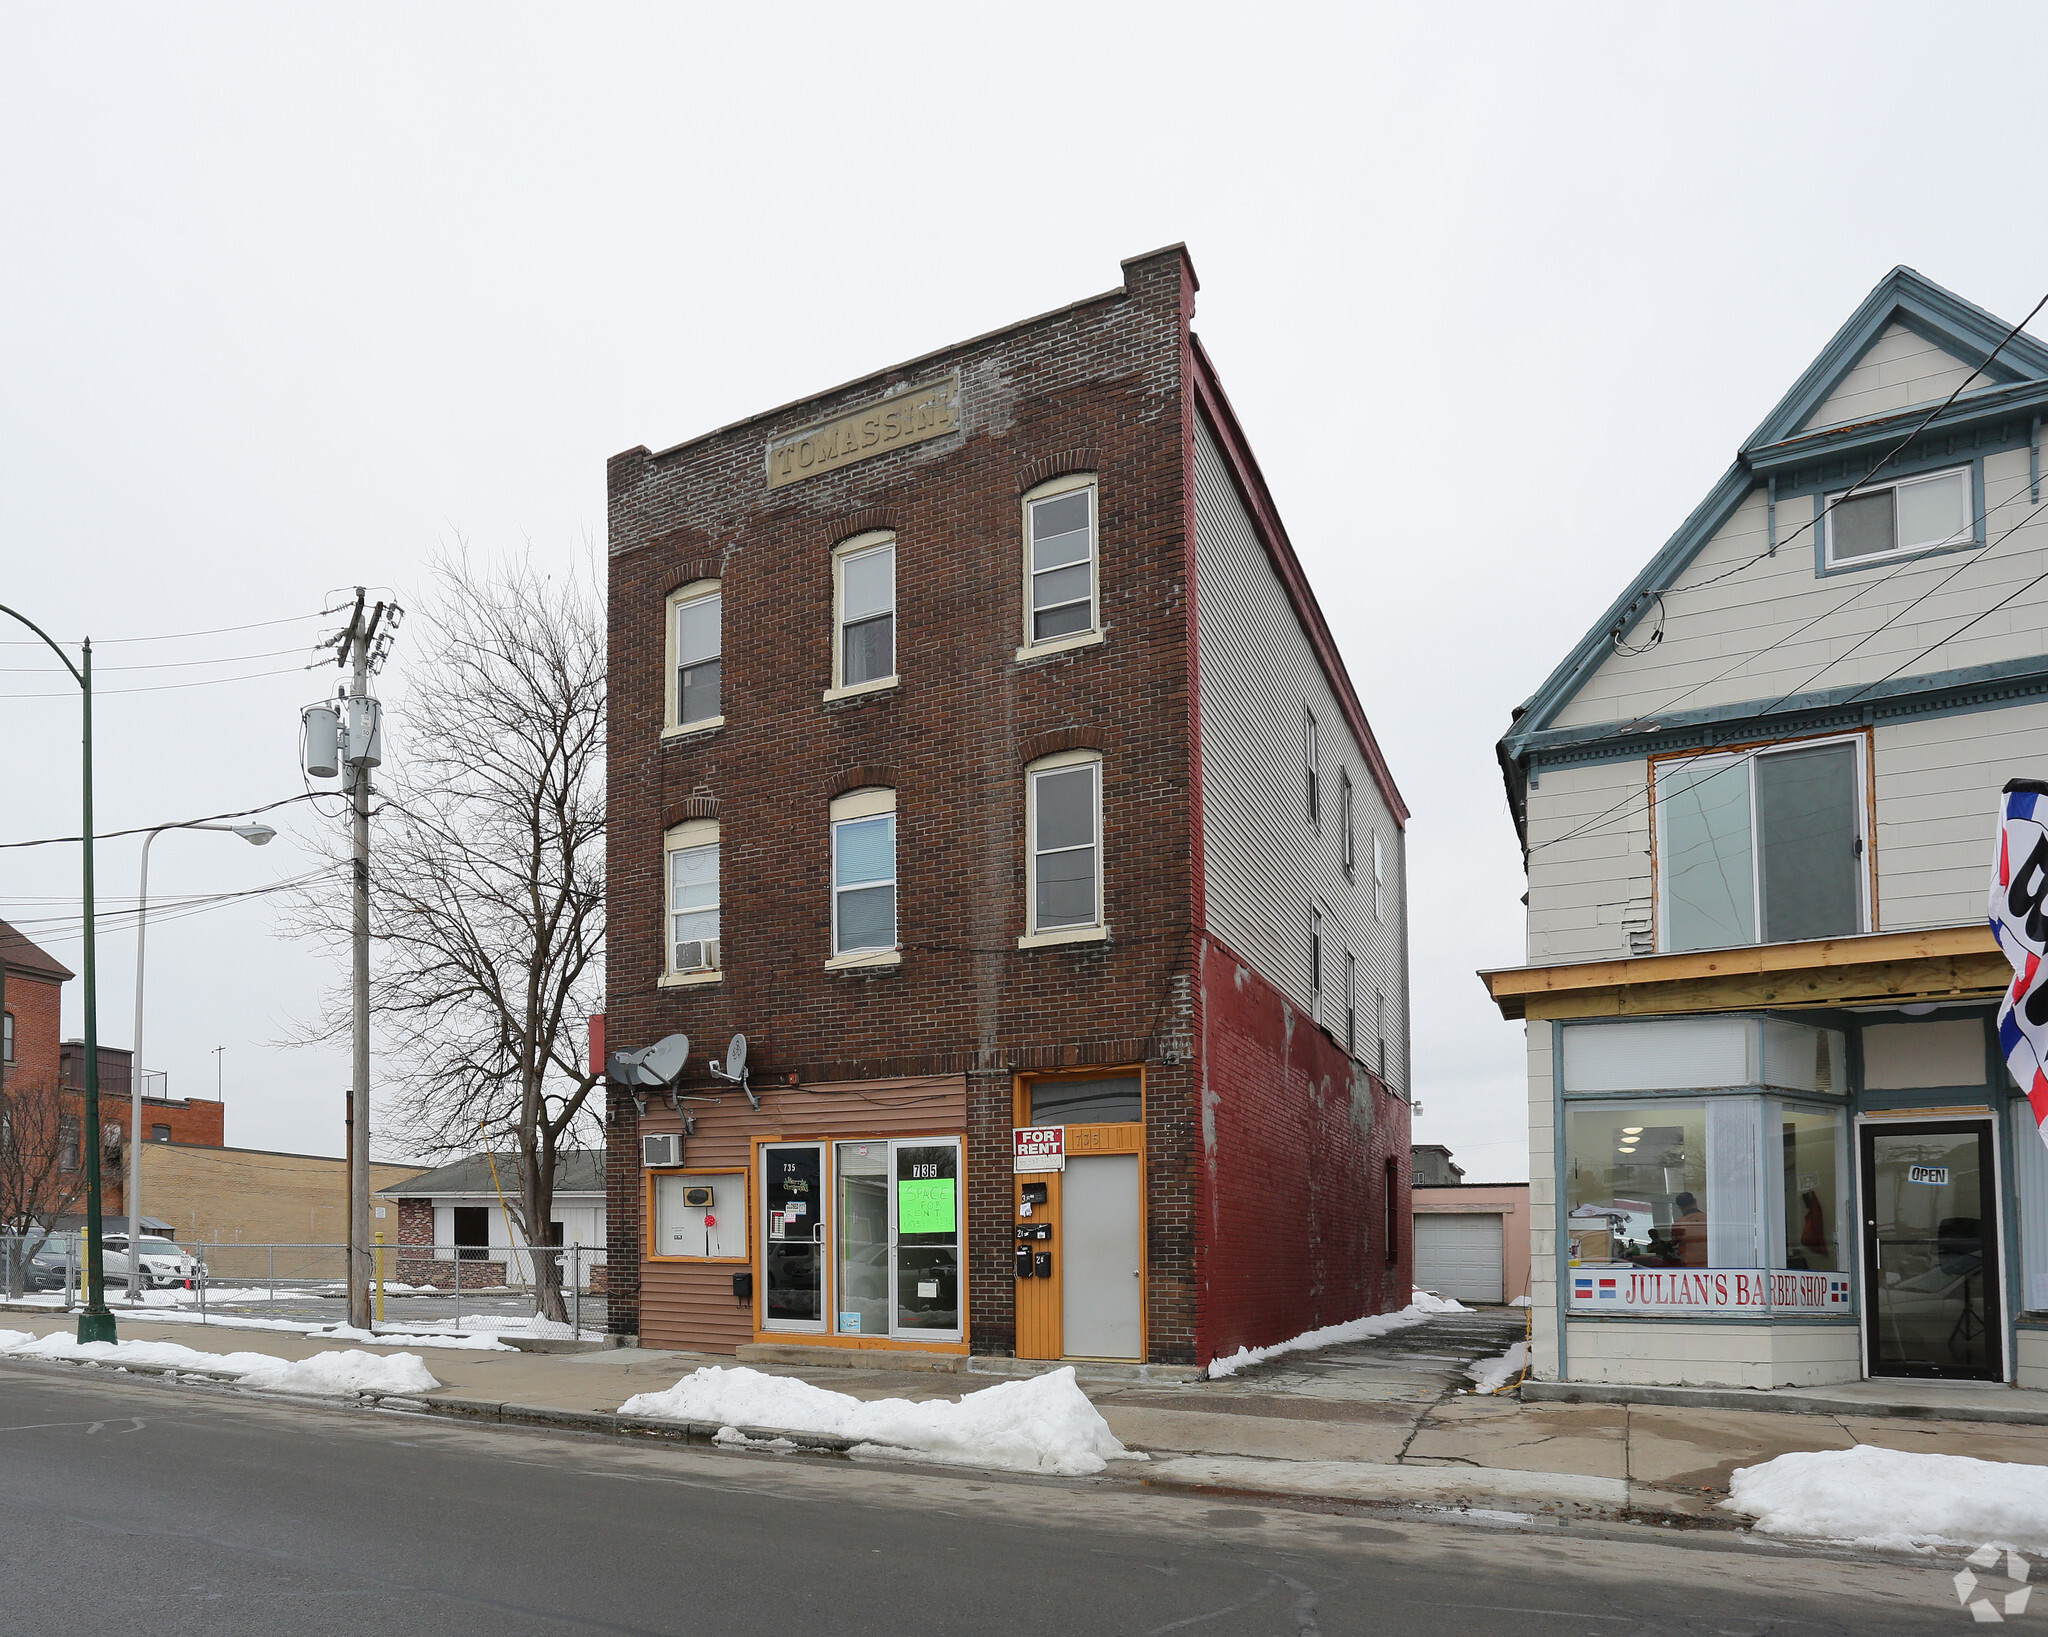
point(167, 687)
point(175, 824)
point(1884, 460)
point(160, 665)
point(179, 636)
point(1981, 555)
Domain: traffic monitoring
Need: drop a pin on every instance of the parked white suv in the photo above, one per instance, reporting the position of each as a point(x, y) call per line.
point(163, 1264)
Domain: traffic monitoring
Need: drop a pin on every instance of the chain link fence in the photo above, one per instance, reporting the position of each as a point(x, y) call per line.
point(540, 1290)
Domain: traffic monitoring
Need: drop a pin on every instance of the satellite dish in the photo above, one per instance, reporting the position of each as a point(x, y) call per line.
point(623, 1068)
point(663, 1061)
point(736, 1057)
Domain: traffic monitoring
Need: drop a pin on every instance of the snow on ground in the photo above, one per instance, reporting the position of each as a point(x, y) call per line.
point(1895, 1498)
point(341, 1371)
point(1422, 1308)
point(1041, 1424)
point(1519, 1301)
point(1489, 1375)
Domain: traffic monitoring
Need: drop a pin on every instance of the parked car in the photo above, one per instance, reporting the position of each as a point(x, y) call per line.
point(163, 1263)
point(43, 1272)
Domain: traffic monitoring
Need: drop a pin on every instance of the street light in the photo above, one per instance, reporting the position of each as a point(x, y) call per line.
point(256, 835)
point(95, 1323)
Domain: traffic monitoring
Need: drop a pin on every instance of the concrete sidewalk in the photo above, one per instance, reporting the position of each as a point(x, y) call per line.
point(1383, 1420)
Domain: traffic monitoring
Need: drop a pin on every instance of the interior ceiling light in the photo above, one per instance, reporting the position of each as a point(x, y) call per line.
point(1631, 1131)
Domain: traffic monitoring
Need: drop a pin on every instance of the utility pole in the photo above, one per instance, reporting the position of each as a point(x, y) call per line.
point(345, 739)
point(359, 1093)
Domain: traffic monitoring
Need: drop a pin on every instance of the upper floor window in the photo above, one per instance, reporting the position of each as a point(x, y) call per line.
point(1922, 513)
point(1764, 846)
point(1315, 961)
point(1350, 1003)
point(1379, 879)
point(864, 573)
point(695, 643)
point(159, 1133)
point(693, 907)
point(1345, 819)
point(6, 1037)
point(1312, 763)
point(864, 872)
point(1059, 530)
point(1064, 798)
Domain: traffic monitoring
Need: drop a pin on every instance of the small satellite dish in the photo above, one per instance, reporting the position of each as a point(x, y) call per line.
point(736, 1057)
point(663, 1061)
point(623, 1068)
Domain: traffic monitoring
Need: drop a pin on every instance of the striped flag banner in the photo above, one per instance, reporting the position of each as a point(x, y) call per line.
point(2019, 918)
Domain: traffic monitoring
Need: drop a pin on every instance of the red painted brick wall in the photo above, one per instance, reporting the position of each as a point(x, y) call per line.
point(1295, 1139)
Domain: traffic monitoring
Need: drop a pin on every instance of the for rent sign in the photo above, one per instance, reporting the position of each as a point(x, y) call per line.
point(1752, 1293)
point(1040, 1147)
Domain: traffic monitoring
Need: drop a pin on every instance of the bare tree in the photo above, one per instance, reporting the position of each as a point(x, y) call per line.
point(42, 1172)
point(487, 883)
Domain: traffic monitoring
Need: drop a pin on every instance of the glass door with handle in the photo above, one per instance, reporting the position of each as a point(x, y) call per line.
point(793, 1245)
point(1930, 1251)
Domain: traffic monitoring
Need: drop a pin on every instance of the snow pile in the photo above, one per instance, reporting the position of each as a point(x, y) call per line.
point(1489, 1375)
point(1519, 1301)
point(335, 1372)
point(1043, 1424)
point(1895, 1498)
point(345, 1370)
point(412, 1338)
point(1423, 1307)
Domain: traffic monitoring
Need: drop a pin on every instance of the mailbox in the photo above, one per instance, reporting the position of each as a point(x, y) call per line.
point(1041, 1264)
point(1023, 1261)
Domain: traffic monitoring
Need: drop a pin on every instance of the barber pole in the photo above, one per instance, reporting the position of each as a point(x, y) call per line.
point(2019, 885)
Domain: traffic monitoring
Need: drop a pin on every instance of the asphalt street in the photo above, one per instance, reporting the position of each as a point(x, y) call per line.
point(130, 1507)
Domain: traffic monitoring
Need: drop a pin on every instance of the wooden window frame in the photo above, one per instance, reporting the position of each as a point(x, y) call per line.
point(860, 545)
point(1866, 808)
point(1033, 646)
point(672, 704)
point(745, 1259)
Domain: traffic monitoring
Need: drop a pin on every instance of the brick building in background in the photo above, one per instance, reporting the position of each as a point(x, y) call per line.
point(977, 748)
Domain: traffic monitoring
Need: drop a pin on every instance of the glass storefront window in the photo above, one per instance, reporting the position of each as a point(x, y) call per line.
point(1676, 1184)
point(928, 1236)
point(1635, 1183)
point(1810, 1153)
point(863, 1238)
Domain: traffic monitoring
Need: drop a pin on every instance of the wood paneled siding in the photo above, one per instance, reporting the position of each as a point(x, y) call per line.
point(1589, 895)
point(1938, 780)
point(1267, 868)
point(1936, 784)
point(690, 1304)
point(1747, 637)
point(1900, 370)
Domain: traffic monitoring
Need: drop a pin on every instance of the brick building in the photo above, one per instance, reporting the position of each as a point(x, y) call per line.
point(31, 999)
point(978, 749)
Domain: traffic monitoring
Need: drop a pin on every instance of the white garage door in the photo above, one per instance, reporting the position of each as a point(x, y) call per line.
point(1458, 1256)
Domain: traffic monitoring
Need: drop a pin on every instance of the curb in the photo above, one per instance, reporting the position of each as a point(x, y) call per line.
point(1751, 1398)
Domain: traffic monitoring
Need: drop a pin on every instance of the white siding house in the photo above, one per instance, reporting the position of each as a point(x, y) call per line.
point(1771, 1138)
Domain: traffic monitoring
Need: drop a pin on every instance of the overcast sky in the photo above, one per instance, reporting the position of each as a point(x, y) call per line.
point(290, 299)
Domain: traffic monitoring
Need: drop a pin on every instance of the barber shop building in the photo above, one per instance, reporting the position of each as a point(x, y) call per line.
point(979, 752)
point(1773, 1141)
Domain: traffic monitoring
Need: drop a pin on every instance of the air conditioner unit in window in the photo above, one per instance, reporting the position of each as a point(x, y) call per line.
point(699, 955)
point(666, 1149)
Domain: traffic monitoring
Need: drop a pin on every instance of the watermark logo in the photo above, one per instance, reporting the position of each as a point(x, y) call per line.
point(1977, 1595)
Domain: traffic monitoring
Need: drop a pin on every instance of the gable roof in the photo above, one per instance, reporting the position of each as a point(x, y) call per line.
point(24, 957)
point(2019, 377)
point(577, 1171)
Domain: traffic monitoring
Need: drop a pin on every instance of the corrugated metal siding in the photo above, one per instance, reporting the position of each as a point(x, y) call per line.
point(690, 1304)
point(1709, 630)
point(1266, 868)
point(1900, 370)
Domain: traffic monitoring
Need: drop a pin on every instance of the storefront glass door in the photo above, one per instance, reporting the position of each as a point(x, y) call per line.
point(1930, 1251)
point(927, 1212)
point(793, 1239)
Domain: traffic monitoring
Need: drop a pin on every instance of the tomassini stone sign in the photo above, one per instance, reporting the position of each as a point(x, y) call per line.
point(894, 423)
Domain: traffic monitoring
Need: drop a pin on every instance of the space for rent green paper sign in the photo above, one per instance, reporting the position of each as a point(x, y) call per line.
point(925, 1206)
